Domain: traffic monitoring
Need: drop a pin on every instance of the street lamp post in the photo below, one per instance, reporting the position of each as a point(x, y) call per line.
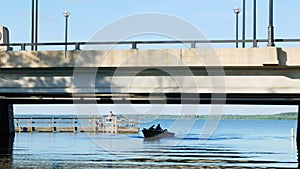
point(34, 24)
point(254, 24)
point(66, 14)
point(244, 23)
point(271, 27)
point(237, 10)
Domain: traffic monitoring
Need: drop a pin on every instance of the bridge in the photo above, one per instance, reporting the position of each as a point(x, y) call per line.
point(245, 75)
point(268, 75)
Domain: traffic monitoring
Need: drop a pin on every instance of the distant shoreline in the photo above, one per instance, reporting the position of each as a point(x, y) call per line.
point(281, 116)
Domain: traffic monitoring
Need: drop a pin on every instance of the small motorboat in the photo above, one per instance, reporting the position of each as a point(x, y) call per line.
point(157, 132)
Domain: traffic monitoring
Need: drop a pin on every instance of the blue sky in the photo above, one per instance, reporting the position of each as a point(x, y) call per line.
point(214, 18)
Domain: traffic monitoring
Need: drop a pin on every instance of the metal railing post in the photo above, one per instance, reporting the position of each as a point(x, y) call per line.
point(134, 45)
point(254, 43)
point(23, 46)
point(77, 46)
point(193, 44)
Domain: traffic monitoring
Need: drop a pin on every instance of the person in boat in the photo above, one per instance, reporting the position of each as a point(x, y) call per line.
point(158, 128)
point(151, 128)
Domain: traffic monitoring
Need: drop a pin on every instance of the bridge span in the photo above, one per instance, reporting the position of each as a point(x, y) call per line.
point(242, 74)
point(268, 75)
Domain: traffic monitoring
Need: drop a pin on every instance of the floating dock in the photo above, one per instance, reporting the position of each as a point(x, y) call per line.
point(113, 124)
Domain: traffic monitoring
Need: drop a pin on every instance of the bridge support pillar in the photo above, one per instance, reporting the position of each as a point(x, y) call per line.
point(7, 128)
point(298, 124)
point(297, 140)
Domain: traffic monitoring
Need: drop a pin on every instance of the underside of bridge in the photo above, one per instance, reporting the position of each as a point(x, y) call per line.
point(153, 98)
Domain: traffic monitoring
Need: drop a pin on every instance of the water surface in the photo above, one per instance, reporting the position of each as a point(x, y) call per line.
point(234, 144)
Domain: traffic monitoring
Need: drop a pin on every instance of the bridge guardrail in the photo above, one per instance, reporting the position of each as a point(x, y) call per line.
point(134, 44)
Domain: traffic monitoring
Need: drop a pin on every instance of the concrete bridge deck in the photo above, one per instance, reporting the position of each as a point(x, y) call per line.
point(244, 74)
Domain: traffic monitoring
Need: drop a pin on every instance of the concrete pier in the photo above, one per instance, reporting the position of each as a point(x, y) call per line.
point(298, 133)
point(7, 129)
point(6, 144)
point(6, 119)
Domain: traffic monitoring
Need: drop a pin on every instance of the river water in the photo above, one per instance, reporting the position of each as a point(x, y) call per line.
point(233, 144)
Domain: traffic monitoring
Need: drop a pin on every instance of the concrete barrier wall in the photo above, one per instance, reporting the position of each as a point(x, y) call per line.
point(153, 57)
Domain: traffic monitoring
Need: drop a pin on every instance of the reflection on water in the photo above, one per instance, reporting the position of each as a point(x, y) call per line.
point(6, 161)
point(227, 148)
